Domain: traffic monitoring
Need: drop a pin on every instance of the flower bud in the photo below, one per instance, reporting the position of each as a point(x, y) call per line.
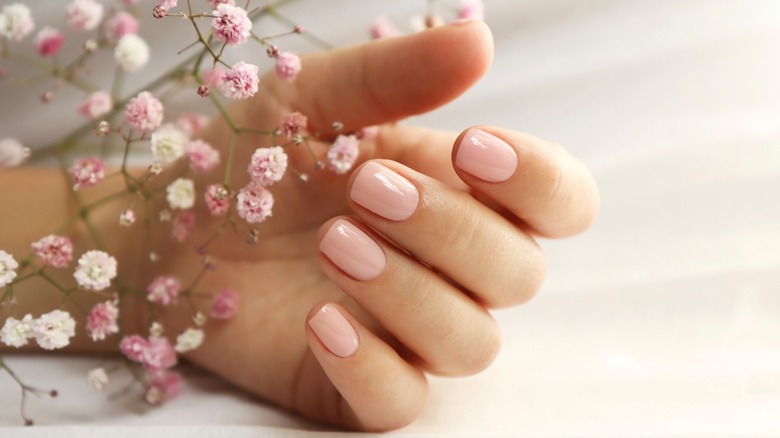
point(159, 12)
point(203, 91)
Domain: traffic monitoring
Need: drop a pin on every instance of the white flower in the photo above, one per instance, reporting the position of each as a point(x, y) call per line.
point(15, 333)
point(97, 379)
point(84, 14)
point(181, 194)
point(7, 266)
point(189, 340)
point(54, 329)
point(131, 52)
point(95, 270)
point(168, 144)
point(12, 153)
point(127, 218)
point(16, 22)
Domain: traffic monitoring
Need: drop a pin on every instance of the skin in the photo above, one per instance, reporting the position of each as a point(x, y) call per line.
point(468, 247)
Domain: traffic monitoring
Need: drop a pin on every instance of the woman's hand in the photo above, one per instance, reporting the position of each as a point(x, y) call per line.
point(359, 286)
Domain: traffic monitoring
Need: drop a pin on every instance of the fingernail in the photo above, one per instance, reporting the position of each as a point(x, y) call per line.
point(334, 331)
point(384, 192)
point(353, 251)
point(486, 156)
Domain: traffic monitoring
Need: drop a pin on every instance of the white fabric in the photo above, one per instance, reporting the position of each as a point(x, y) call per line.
point(663, 320)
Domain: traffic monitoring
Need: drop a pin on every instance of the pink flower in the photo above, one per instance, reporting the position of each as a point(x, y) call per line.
point(293, 124)
point(191, 123)
point(101, 320)
point(87, 172)
point(96, 104)
point(16, 21)
point(343, 153)
point(48, 42)
point(225, 304)
point(133, 347)
point(288, 65)
point(231, 25)
point(162, 386)
point(54, 250)
point(164, 290)
point(213, 76)
point(12, 153)
point(240, 82)
point(159, 355)
point(121, 24)
point(144, 112)
point(215, 3)
point(254, 203)
point(382, 27)
point(217, 199)
point(472, 9)
point(183, 226)
point(84, 14)
point(203, 157)
point(168, 4)
point(267, 165)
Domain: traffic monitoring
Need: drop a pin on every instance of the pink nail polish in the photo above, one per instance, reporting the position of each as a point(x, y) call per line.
point(334, 331)
point(353, 251)
point(486, 156)
point(384, 192)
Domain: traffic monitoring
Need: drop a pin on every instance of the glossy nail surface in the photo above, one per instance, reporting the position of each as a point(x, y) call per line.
point(353, 251)
point(334, 331)
point(486, 156)
point(384, 192)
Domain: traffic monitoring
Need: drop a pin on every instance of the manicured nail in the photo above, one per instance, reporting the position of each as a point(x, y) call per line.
point(334, 331)
point(486, 156)
point(384, 192)
point(353, 251)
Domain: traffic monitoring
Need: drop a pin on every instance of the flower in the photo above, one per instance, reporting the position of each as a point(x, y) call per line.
point(181, 194)
point(86, 172)
point(189, 340)
point(121, 24)
point(183, 226)
point(382, 27)
point(254, 203)
point(267, 165)
point(96, 104)
point(54, 250)
point(53, 330)
point(12, 153)
point(15, 333)
point(471, 9)
point(217, 199)
point(240, 82)
point(84, 14)
point(343, 153)
point(168, 4)
point(168, 144)
point(293, 124)
point(131, 52)
point(95, 270)
point(144, 112)
point(231, 25)
point(133, 347)
point(162, 386)
point(191, 123)
point(97, 379)
point(7, 268)
point(215, 3)
point(159, 355)
point(164, 290)
point(101, 320)
point(127, 218)
point(48, 42)
point(16, 21)
point(288, 65)
point(203, 157)
point(225, 304)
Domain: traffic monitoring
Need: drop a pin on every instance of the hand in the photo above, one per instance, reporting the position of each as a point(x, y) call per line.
point(346, 300)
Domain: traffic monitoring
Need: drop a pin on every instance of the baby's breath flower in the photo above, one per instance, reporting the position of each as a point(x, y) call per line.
point(288, 65)
point(162, 386)
point(127, 218)
point(96, 104)
point(54, 250)
point(267, 165)
point(16, 21)
point(254, 203)
point(131, 52)
point(101, 320)
point(144, 112)
point(183, 226)
point(12, 153)
point(189, 340)
point(181, 194)
point(217, 199)
point(293, 124)
point(84, 14)
point(97, 379)
point(121, 24)
point(168, 144)
point(16, 333)
point(7, 268)
point(343, 153)
point(224, 305)
point(164, 290)
point(240, 82)
point(203, 157)
point(471, 9)
point(53, 330)
point(48, 42)
point(95, 270)
point(231, 25)
point(87, 172)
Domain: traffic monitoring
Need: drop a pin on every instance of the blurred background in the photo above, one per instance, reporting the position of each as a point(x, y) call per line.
point(664, 319)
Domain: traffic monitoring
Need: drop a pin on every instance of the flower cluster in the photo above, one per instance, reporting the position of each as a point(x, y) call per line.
point(51, 330)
